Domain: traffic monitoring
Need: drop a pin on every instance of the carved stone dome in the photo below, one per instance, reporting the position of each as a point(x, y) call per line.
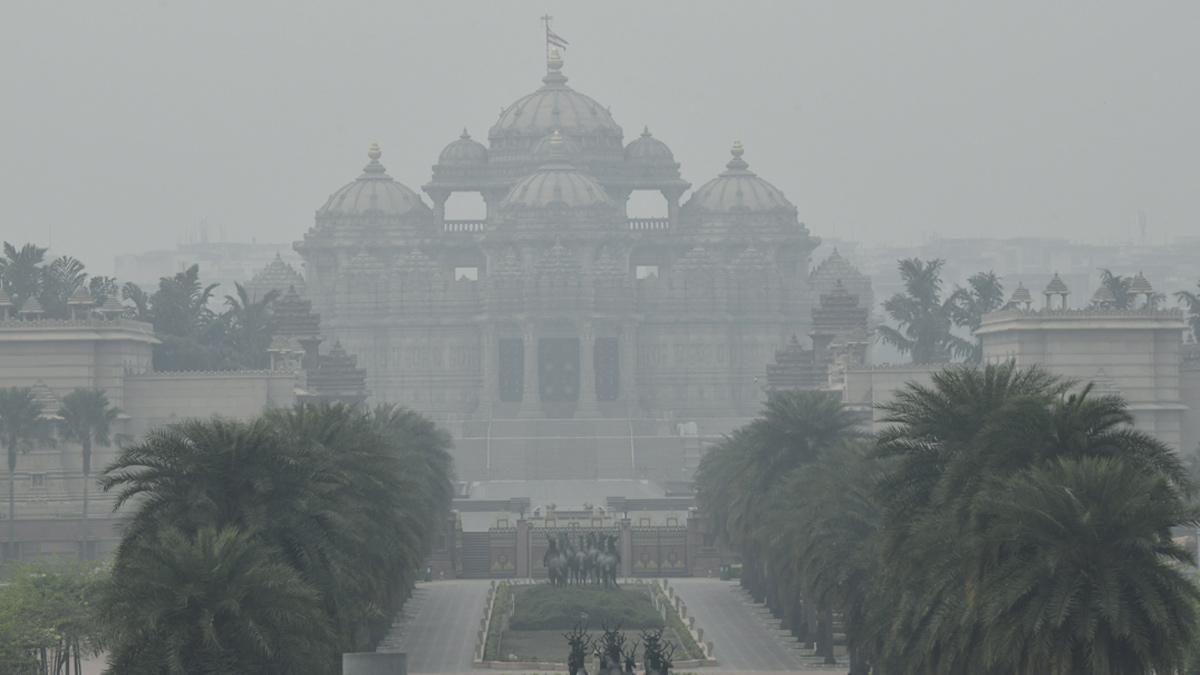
point(557, 183)
point(647, 149)
point(372, 193)
point(738, 190)
point(555, 106)
point(465, 150)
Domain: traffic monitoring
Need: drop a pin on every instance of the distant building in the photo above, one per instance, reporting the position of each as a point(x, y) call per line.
point(101, 349)
point(561, 336)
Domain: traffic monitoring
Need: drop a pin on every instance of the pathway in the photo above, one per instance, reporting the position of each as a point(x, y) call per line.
point(744, 637)
point(437, 628)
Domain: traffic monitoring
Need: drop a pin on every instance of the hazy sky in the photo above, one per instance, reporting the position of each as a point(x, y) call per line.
point(125, 124)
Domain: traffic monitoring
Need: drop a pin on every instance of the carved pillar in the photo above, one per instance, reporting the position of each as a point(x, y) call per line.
point(530, 399)
point(587, 371)
point(439, 198)
point(672, 197)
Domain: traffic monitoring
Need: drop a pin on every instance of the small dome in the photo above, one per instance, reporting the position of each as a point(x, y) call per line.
point(1056, 286)
point(1021, 295)
point(1104, 297)
point(647, 149)
point(738, 189)
point(555, 106)
point(1140, 285)
point(276, 276)
point(32, 307)
point(374, 192)
point(465, 150)
point(82, 297)
point(557, 184)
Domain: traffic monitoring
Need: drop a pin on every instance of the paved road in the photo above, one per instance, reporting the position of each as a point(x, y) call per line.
point(743, 640)
point(438, 626)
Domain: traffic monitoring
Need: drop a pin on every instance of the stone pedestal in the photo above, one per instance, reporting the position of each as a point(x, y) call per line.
point(375, 663)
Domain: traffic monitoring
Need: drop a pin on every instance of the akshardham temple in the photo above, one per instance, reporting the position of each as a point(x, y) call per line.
point(558, 304)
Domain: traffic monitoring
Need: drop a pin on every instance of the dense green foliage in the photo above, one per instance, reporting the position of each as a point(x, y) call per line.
point(1004, 523)
point(271, 546)
point(925, 320)
point(193, 335)
point(543, 607)
point(46, 620)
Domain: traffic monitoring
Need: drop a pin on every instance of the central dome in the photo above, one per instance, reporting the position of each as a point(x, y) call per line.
point(555, 106)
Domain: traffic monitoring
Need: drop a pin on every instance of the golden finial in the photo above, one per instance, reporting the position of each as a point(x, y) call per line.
point(554, 61)
point(374, 152)
point(556, 139)
point(737, 150)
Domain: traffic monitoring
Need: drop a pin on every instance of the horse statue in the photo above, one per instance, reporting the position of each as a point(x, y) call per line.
point(581, 567)
point(609, 563)
point(594, 558)
point(555, 562)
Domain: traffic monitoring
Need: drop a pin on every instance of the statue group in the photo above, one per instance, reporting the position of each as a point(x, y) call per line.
point(592, 559)
point(612, 655)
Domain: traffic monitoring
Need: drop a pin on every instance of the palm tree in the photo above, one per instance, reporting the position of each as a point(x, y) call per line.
point(87, 418)
point(826, 530)
point(249, 326)
point(735, 478)
point(351, 508)
point(216, 601)
point(924, 319)
point(21, 272)
point(19, 413)
point(953, 442)
point(984, 293)
point(1192, 302)
point(60, 279)
point(1119, 286)
point(1087, 578)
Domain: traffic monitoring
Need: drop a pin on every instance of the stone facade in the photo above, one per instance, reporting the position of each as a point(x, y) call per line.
point(1136, 353)
point(100, 349)
point(559, 304)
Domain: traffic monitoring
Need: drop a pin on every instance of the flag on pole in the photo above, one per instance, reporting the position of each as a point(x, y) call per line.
point(555, 39)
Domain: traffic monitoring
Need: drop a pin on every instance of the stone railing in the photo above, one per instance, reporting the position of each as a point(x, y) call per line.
point(1086, 313)
point(463, 226)
point(667, 600)
point(649, 224)
point(77, 323)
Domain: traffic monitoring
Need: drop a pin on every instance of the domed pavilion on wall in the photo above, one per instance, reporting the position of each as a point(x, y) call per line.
point(559, 303)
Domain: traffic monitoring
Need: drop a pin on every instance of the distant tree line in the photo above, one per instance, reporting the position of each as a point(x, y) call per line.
point(1005, 522)
point(194, 337)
